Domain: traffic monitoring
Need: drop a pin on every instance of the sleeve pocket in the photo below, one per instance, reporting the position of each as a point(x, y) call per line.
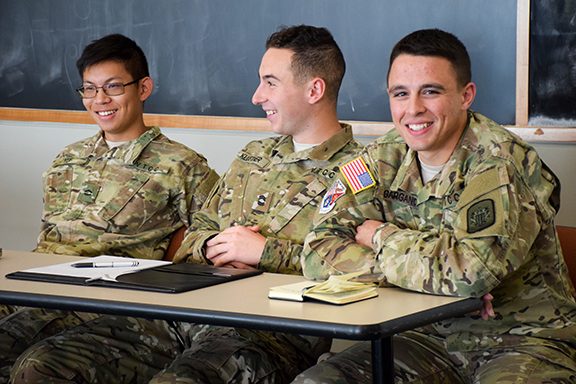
point(483, 208)
point(58, 184)
point(57, 189)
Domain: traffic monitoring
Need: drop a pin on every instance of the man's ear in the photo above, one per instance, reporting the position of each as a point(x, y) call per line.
point(316, 90)
point(468, 95)
point(146, 87)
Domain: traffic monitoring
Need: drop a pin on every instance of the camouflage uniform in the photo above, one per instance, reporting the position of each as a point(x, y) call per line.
point(5, 310)
point(279, 190)
point(122, 201)
point(267, 184)
point(484, 224)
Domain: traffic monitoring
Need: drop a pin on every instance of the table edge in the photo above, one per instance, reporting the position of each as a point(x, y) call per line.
point(232, 319)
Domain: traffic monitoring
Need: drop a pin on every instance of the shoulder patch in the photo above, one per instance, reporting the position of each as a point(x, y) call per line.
point(480, 215)
point(357, 175)
point(329, 201)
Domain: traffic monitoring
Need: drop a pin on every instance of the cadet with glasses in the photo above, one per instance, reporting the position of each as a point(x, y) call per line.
point(123, 191)
point(461, 207)
point(90, 91)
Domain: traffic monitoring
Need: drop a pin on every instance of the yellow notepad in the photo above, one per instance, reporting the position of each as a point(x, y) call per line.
point(336, 290)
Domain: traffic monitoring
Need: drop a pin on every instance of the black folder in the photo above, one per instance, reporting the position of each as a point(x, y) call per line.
point(170, 278)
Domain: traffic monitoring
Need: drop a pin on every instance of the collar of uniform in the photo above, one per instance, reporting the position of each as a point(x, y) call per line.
point(95, 146)
point(284, 150)
point(133, 150)
point(408, 175)
point(409, 178)
point(128, 153)
point(443, 182)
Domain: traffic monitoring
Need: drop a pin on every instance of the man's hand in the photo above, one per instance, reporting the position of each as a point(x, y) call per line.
point(238, 245)
point(365, 232)
point(487, 310)
point(238, 265)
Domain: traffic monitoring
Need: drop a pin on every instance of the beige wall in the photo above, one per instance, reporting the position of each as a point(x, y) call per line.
point(561, 158)
point(27, 149)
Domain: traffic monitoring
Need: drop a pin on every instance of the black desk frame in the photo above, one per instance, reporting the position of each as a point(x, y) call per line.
point(380, 335)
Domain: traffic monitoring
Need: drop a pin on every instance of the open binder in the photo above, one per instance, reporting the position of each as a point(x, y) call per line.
point(152, 275)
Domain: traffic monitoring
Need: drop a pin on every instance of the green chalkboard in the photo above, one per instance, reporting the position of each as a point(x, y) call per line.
point(552, 84)
point(204, 54)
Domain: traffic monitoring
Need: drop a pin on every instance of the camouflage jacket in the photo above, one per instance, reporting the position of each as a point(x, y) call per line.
point(122, 201)
point(485, 223)
point(270, 185)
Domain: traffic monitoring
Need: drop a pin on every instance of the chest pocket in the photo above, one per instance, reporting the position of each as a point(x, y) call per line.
point(132, 202)
point(302, 200)
point(398, 207)
point(58, 186)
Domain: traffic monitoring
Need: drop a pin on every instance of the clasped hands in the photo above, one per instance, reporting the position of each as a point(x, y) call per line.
point(364, 235)
point(241, 247)
point(238, 246)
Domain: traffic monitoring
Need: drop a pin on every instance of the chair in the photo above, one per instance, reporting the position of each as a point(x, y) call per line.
point(567, 237)
point(175, 241)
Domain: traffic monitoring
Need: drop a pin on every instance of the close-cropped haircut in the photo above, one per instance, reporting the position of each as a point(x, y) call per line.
point(316, 54)
point(117, 48)
point(435, 42)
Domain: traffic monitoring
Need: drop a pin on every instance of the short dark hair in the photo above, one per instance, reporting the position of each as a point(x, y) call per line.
point(315, 54)
point(115, 47)
point(435, 42)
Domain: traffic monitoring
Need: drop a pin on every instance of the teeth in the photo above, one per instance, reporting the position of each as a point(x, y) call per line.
point(105, 113)
point(268, 113)
point(418, 127)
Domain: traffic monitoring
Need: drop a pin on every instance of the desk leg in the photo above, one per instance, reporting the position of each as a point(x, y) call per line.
point(382, 361)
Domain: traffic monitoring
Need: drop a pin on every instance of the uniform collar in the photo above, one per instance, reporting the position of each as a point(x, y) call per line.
point(128, 153)
point(408, 176)
point(283, 152)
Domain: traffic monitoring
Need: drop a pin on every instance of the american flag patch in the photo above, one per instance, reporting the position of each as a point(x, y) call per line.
point(357, 175)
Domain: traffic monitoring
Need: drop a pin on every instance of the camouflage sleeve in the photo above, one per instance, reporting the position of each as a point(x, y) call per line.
point(199, 181)
point(330, 248)
point(204, 225)
point(281, 256)
point(487, 236)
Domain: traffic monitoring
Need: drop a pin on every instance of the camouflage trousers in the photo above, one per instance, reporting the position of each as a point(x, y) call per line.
point(422, 359)
point(27, 326)
point(227, 355)
point(115, 349)
point(5, 310)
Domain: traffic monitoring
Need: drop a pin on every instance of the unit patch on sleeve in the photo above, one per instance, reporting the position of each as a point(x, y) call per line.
point(357, 175)
point(481, 215)
point(329, 201)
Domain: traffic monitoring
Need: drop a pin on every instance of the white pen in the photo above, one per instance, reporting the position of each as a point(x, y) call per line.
point(111, 264)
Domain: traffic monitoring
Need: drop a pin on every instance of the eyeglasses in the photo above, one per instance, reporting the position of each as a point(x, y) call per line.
point(110, 89)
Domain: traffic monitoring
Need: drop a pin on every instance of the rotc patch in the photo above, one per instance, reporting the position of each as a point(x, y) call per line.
point(329, 201)
point(480, 215)
point(357, 175)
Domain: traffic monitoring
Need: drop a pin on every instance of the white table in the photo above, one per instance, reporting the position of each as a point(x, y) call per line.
point(243, 303)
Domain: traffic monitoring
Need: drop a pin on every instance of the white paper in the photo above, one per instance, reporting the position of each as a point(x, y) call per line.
point(100, 273)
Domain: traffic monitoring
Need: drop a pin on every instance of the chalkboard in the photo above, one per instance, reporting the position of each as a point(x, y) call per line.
point(552, 95)
point(204, 54)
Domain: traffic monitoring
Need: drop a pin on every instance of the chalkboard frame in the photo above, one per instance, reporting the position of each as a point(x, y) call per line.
point(363, 128)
